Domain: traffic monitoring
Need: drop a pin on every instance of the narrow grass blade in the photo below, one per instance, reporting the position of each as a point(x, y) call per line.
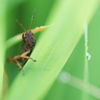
point(18, 37)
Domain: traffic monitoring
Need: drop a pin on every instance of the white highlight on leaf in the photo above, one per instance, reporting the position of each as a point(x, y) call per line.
point(64, 77)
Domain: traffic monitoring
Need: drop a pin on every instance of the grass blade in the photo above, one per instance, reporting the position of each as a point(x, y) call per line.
point(2, 37)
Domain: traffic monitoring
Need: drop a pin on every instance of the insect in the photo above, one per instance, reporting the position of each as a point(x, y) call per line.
point(28, 44)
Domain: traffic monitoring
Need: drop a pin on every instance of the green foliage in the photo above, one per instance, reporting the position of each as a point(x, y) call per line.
point(59, 48)
point(2, 41)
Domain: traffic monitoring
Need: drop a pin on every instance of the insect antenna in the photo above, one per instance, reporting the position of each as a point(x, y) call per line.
point(32, 19)
point(21, 25)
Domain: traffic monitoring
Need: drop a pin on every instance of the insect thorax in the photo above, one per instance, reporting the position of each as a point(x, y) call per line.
point(28, 42)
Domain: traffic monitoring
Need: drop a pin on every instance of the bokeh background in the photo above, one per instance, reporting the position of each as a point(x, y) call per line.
point(78, 78)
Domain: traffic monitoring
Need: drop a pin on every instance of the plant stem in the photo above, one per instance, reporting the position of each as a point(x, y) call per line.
point(87, 57)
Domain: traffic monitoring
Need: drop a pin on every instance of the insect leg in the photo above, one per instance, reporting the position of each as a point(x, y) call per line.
point(19, 65)
point(24, 55)
point(11, 60)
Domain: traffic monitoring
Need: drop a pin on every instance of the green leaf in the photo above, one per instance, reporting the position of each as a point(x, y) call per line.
point(53, 48)
point(2, 38)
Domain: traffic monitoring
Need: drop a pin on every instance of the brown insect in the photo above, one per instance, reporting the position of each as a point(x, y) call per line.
point(28, 44)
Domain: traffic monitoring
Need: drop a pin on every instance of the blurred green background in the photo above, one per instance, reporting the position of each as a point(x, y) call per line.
point(68, 81)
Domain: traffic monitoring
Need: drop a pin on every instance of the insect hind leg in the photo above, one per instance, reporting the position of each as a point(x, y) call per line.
point(24, 55)
point(19, 65)
point(15, 60)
